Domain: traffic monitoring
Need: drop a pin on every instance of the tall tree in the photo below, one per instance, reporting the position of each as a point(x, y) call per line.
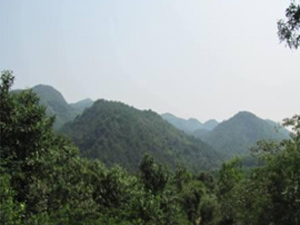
point(289, 29)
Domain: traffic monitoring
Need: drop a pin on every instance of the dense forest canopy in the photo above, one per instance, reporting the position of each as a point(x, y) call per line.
point(119, 134)
point(44, 181)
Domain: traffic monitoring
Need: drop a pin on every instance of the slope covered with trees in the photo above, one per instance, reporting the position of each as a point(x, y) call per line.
point(44, 181)
point(57, 106)
point(241, 132)
point(120, 134)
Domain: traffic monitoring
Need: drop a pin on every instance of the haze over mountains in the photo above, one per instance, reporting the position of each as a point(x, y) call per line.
point(189, 126)
point(57, 106)
point(119, 134)
point(234, 136)
point(238, 134)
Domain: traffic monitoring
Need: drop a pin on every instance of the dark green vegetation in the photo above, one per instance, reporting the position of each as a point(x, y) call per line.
point(289, 30)
point(232, 137)
point(120, 134)
point(44, 181)
point(241, 132)
point(57, 106)
point(189, 126)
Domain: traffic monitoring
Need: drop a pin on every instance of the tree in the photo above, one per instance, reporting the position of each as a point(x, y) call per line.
point(153, 175)
point(289, 30)
point(44, 171)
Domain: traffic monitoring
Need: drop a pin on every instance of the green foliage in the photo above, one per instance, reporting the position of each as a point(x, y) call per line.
point(289, 30)
point(270, 195)
point(10, 211)
point(153, 175)
point(57, 106)
point(118, 134)
point(44, 181)
point(238, 134)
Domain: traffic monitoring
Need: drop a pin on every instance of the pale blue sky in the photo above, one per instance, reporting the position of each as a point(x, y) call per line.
point(194, 58)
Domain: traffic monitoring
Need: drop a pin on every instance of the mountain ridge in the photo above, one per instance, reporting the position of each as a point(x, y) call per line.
point(120, 134)
point(56, 105)
point(239, 133)
point(189, 125)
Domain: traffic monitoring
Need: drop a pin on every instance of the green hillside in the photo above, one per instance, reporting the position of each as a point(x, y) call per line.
point(236, 135)
point(120, 134)
point(80, 106)
point(55, 104)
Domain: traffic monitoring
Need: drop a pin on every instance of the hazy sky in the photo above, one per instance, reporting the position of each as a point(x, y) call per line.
point(194, 58)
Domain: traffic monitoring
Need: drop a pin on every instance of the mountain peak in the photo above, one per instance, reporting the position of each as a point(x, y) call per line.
point(245, 113)
point(96, 130)
point(44, 86)
point(241, 132)
point(210, 124)
point(193, 120)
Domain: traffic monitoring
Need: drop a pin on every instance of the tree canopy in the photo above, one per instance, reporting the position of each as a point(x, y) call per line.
point(289, 29)
point(44, 181)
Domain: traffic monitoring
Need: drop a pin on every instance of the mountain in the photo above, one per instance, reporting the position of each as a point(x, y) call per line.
point(120, 134)
point(82, 105)
point(57, 106)
point(210, 124)
point(187, 126)
point(206, 128)
point(200, 133)
point(236, 135)
point(190, 126)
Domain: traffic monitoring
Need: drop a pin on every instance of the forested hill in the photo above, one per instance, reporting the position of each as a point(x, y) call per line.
point(57, 106)
point(55, 103)
point(120, 134)
point(190, 125)
point(236, 135)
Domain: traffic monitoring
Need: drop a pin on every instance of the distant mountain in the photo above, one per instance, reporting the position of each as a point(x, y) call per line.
point(236, 135)
point(206, 128)
point(200, 133)
point(82, 105)
point(210, 125)
point(120, 134)
point(57, 106)
point(187, 126)
point(190, 126)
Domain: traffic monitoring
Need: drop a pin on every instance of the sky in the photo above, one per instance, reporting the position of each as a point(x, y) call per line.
point(193, 58)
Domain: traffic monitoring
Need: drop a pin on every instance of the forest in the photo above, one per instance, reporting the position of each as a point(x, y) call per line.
point(45, 181)
point(147, 172)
